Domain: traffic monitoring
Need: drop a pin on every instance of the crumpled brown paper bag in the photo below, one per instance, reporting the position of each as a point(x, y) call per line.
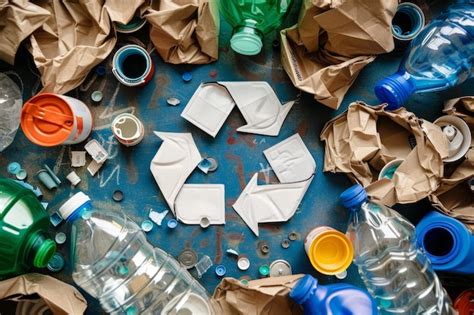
point(184, 31)
point(362, 140)
point(333, 41)
point(462, 107)
point(18, 19)
point(260, 297)
point(77, 36)
point(60, 297)
point(454, 196)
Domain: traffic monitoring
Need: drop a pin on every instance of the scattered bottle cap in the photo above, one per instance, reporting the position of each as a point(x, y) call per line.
point(204, 223)
point(243, 263)
point(56, 263)
point(46, 179)
point(264, 270)
point(220, 270)
point(100, 70)
point(172, 223)
point(188, 258)
point(285, 244)
point(157, 217)
point(263, 247)
point(280, 268)
point(132, 310)
point(214, 164)
point(203, 265)
point(117, 195)
point(341, 275)
point(73, 178)
point(146, 226)
point(13, 168)
point(173, 101)
point(21, 175)
point(60, 238)
point(293, 236)
point(244, 281)
point(187, 76)
point(97, 96)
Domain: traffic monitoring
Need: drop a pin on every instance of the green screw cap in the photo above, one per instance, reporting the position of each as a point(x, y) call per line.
point(264, 270)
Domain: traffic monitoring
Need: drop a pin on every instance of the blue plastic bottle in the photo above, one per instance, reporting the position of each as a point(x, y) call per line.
point(332, 299)
point(441, 56)
point(447, 242)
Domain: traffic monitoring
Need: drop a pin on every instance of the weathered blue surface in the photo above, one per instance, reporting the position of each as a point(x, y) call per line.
point(239, 157)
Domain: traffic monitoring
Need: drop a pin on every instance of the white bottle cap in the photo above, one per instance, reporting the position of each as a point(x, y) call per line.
point(73, 178)
point(73, 204)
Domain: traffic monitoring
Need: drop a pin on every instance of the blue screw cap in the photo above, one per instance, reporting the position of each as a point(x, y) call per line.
point(100, 70)
point(220, 270)
point(187, 76)
point(13, 168)
point(172, 223)
point(353, 196)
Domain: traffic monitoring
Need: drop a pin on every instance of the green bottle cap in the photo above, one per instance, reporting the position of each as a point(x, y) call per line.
point(244, 43)
point(44, 253)
point(264, 270)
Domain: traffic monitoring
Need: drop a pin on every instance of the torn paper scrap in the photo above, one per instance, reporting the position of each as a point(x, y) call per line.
point(209, 107)
point(78, 158)
point(174, 161)
point(269, 203)
point(157, 217)
point(290, 160)
point(260, 107)
point(202, 204)
point(462, 107)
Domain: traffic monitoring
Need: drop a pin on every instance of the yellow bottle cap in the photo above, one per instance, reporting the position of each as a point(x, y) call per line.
point(331, 252)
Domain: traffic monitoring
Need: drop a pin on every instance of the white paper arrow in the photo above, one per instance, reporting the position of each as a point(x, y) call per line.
point(260, 107)
point(175, 160)
point(269, 203)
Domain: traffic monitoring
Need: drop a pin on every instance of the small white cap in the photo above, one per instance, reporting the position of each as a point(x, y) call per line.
point(73, 178)
point(73, 203)
point(243, 263)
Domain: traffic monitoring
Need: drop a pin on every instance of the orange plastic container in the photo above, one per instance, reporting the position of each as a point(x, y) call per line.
point(49, 119)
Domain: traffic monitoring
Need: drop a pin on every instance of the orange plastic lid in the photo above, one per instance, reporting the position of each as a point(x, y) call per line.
point(464, 304)
point(331, 252)
point(47, 120)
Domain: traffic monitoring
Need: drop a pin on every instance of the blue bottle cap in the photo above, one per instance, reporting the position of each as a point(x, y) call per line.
point(100, 70)
point(172, 223)
point(13, 168)
point(187, 76)
point(56, 263)
point(353, 196)
point(220, 270)
point(393, 90)
point(147, 226)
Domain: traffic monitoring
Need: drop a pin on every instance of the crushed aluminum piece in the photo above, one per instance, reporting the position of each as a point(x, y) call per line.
point(173, 101)
point(203, 265)
point(157, 217)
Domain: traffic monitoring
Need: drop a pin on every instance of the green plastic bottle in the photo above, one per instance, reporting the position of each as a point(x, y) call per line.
point(24, 242)
point(251, 19)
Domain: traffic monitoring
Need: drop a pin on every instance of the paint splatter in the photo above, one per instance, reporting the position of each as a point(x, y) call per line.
point(303, 128)
point(239, 170)
point(219, 233)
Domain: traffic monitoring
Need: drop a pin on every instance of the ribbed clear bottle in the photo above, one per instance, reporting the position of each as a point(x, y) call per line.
point(114, 263)
point(397, 274)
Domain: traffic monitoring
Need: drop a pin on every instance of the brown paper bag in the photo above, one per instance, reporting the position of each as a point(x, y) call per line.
point(463, 107)
point(260, 297)
point(18, 19)
point(184, 31)
point(60, 297)
point(454, 196)
point(332, 42)
point(363, 139)
point(76, 37)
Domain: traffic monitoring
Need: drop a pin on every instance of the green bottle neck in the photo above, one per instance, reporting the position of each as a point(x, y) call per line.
point(247, 40)
point(40, 249)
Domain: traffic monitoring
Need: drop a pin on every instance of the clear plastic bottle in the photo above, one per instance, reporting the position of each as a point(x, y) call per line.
point(441, 56)
point(114, 263)
point(251, 19)
point(396, 272)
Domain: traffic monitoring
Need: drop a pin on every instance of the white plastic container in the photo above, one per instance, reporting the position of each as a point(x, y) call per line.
point(128, 129)
point(50, 119)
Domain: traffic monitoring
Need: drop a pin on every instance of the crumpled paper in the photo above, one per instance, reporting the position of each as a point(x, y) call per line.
point(18, 19)
point(60, 297)
point(462, 107)
point(184, 31)
point(333, 41)
point(260, 297)
point(454, 196)
point(363, 139)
